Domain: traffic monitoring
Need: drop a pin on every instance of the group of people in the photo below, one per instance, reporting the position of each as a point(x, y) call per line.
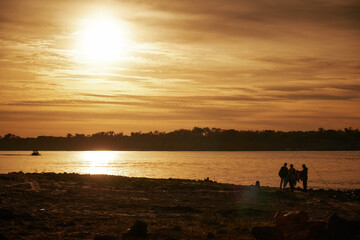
point(292, 176)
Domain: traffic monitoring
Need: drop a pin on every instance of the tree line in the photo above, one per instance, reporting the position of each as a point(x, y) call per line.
point(196, 139)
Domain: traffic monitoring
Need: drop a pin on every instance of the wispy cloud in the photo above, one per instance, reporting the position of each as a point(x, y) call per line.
point(231, 64)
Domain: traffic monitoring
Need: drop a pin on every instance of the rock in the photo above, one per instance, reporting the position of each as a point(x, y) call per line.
point(221, 231)
point(289, 221)
point(317, 230)
point(295, 226)
point(267, 233)
point(6, 215)
point(105, 237)
point(341, 228)
point(138, 231)
point(2, 237)
point(337, 227)
point(177, 228)
point(309, 231)
point(210, 235)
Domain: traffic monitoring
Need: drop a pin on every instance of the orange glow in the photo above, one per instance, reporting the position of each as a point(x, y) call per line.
point(99, 161)
point(127, 66)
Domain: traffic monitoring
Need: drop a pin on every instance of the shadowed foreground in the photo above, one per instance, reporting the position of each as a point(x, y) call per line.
point(72, 206)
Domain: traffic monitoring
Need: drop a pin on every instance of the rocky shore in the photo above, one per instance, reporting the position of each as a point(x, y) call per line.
point(73, 206)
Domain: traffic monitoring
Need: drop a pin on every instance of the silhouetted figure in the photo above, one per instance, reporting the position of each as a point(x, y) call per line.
point(291, 177)
point(283, 174)
point(304, 176)
point(297, 177)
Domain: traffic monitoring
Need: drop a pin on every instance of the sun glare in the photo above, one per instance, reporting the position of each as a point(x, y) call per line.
point(102, 39)
point(99, 161)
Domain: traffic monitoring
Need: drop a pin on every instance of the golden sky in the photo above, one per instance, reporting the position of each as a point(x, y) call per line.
point(71, 66)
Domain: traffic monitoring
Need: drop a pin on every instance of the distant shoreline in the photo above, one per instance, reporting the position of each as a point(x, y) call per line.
point(196, 139)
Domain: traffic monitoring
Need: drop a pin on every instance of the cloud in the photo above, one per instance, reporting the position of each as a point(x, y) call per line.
point(232, 18)
point(324, 97)
point(313, 87)
point(350, 87)
point(227, 63)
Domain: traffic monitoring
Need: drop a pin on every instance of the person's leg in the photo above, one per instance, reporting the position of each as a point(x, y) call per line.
point(305, 184)
point(281, 182)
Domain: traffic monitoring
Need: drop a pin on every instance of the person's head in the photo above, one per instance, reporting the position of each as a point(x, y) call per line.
point(291, 165)
point(304, 166)
point(285, 164)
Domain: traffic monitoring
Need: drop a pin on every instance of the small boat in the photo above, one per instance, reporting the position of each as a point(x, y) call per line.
point(35, 153)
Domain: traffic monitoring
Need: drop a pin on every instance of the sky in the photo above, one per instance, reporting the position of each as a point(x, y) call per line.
point(74, 66)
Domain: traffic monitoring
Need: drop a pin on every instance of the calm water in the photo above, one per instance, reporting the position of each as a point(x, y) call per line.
point(337, 170)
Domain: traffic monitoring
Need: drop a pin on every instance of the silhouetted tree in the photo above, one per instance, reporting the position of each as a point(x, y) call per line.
point(199, 139)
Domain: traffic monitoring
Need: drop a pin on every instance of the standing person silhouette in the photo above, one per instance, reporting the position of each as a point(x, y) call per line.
point(291, 177)
point(283, 174)
point(304, 176)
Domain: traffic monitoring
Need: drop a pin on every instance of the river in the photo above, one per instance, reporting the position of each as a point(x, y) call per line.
point(327, 169)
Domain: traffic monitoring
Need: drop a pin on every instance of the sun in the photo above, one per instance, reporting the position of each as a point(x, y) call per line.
point(102, 39)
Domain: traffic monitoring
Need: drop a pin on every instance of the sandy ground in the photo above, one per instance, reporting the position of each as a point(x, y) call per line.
point(72, 206)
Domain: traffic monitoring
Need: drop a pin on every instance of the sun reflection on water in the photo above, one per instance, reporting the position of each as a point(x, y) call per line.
point(99, 162)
